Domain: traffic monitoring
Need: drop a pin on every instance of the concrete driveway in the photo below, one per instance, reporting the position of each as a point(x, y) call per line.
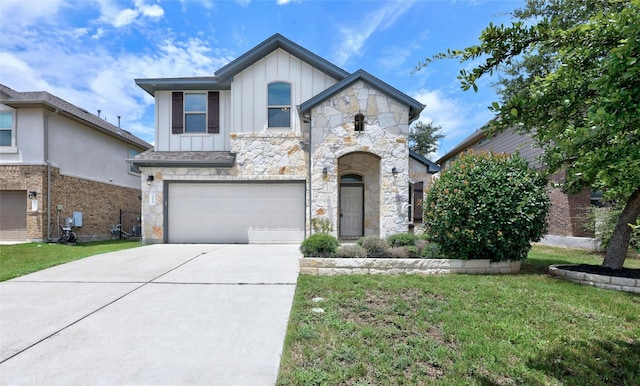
point(155, 315)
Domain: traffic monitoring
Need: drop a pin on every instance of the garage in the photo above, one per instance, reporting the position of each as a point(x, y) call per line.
point(13, 215)
point(220, 212)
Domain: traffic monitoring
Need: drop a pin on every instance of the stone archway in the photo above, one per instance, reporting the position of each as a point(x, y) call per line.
point(359, 185)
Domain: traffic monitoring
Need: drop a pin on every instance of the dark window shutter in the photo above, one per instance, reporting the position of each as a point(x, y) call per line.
point(418, 196)
point(213, 110)
point(177, 115)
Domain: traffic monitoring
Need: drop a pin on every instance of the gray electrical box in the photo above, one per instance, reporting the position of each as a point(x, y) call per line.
point(77, 219)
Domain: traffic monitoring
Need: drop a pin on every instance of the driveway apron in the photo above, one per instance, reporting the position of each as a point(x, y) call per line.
point(154, 315)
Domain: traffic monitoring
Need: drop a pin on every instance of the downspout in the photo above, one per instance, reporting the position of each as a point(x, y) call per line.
point(48, 162)
point(310, 174)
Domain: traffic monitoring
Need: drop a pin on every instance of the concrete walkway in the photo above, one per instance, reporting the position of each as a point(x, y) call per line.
point(155, 315)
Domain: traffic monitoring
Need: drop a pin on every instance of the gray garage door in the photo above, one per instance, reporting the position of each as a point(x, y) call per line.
point(236, 212)
point(13, 215)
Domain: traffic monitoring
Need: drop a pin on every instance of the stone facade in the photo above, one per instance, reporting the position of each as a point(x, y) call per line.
point(384, 139)
point(99, 203)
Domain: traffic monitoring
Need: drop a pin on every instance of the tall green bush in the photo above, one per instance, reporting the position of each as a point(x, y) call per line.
point(487, 206)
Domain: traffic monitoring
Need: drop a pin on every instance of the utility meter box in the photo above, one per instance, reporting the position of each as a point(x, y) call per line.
point(77, 219)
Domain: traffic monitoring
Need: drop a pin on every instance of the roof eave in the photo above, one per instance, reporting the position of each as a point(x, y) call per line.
point(151, 85)
point(276, 41)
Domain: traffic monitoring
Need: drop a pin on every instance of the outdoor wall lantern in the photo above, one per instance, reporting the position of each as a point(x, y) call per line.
point(324, 172)
point(394, 171)
point(149, 179)
point(33, 194)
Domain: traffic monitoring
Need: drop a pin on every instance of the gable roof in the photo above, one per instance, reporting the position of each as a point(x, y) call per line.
point(415, 107)
point(18, 99)
point(226, 73)
point(432, 167)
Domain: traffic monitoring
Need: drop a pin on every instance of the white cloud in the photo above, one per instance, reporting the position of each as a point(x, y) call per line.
point(112, 14)
point(354, 37)
point(27, 12)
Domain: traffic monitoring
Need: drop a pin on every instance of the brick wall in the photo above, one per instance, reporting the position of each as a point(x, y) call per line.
point(99, 203)
point(567, 212)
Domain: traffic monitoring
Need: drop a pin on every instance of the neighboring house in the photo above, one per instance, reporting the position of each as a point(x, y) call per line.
point(277, 137)
point(567, 212)
point(57, 159)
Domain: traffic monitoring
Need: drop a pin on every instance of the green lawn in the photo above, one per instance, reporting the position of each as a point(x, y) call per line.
point(21, 259)
point(528, 329)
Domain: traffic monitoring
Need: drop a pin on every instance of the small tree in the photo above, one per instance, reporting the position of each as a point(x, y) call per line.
point(424, 137)
point(487, 206)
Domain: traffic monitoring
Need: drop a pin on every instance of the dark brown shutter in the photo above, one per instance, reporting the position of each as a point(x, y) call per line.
point(177, 115)
point(418, 196)
point(213, 110)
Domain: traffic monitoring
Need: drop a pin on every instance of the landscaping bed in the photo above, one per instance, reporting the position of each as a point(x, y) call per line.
point(340, 266)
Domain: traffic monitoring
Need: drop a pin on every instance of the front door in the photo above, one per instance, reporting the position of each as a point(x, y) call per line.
point(351, 210)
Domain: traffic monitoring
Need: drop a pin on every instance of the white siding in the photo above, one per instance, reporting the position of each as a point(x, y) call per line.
point(249, 89)
point(29, 137)
point(511, 142)
point(165, 141)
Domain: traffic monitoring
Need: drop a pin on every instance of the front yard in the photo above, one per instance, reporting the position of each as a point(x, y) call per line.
point(528, 328)
point(21, 259)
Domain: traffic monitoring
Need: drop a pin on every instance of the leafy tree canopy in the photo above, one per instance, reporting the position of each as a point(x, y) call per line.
point(424, 137)
point(570, 76)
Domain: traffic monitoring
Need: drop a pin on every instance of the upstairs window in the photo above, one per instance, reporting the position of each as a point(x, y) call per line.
point(132, 153)
point(193, 112)
point(6, 128)
point(279, 104)
point(358, 123)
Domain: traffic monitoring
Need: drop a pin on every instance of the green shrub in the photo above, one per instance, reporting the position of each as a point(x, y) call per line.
point(487, 206)
point(430, 251)
point(374, 246)
point(355, 251)
point(413, 251)
point(398, 252)
point(401, 239)
point(319, 245)
point(604, 220)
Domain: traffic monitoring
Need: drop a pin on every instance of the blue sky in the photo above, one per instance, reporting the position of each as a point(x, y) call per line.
point(88, 52)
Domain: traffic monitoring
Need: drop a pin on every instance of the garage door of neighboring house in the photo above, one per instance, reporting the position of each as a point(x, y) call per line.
point(217, 212)
point(13, 215)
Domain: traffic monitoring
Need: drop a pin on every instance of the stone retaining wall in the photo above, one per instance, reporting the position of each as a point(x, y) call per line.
point(323, 266)
point(601, 281)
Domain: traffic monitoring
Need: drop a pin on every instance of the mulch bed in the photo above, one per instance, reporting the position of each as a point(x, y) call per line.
point(630, 273)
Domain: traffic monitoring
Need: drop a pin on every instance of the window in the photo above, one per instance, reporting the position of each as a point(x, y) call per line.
point(350, 178)
point(195, 112)
point(6, 128)
point(279, 104)
point(132, 153)
point(359, 122)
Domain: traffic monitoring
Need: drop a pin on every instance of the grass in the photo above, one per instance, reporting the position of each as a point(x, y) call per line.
point(528, 328)
point(21, 259)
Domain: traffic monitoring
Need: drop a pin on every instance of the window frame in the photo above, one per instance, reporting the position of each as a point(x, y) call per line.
point(132, 169)
point(187, 113)
point(284, 107)
point(179, 112)
point(12, 147)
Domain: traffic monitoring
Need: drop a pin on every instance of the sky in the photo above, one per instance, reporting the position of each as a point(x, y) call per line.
point(89, 52)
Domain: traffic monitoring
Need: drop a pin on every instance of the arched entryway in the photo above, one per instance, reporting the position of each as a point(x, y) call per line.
point(358, 195)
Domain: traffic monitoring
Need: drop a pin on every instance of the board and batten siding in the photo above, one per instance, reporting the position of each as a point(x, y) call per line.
point(166, 141)
point(249, 89)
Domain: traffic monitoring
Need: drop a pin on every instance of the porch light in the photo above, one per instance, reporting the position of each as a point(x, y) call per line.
point(324, 172)
point(33, 194)
point(149, 179)
point(394, 171)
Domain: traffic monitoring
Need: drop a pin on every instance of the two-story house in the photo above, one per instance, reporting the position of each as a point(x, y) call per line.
point(58, 161)
point(567, 214)
point(275, 138)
